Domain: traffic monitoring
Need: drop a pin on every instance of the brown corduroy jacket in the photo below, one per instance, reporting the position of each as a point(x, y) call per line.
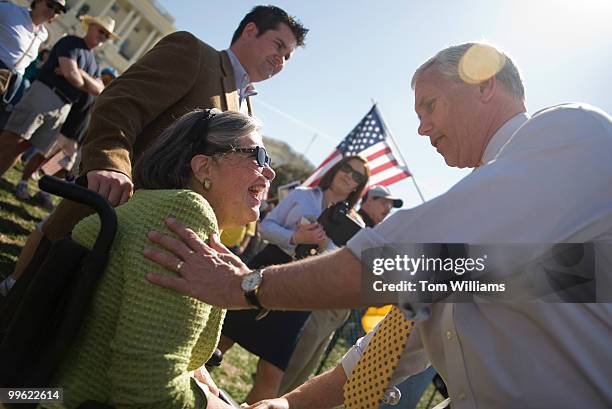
point(179, 74)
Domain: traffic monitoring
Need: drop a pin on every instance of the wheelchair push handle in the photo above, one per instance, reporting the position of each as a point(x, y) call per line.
point(80, 194)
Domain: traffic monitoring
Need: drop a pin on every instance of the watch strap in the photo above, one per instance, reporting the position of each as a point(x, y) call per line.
point(251, 297)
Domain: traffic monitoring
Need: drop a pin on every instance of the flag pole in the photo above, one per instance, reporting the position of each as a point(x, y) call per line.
point(392, 141)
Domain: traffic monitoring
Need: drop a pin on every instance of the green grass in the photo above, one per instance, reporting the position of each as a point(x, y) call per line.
point(18, 218)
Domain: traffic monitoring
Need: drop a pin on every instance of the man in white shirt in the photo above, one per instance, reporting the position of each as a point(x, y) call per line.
point(22, 31)
point(544, 179)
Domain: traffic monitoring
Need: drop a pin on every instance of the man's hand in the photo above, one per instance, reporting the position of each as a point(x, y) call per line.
point(116, 187)
point(91, 85)
point(312, 233)
point(279, 403)
point(321, 392)
point(210, 273)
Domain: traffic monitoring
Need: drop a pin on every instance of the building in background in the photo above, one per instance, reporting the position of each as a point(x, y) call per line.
point(140, 24)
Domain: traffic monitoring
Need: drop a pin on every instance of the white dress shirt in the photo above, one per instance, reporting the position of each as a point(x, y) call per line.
point(18, 35)
point(546, 179)
point(243, 83)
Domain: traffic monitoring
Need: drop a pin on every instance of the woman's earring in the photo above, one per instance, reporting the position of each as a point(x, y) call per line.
point(207, 183)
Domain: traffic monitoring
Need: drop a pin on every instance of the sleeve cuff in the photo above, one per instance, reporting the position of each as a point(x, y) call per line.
point(352, 356)
point(364, 239)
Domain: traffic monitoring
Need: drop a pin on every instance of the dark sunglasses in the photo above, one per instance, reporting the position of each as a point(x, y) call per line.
point(258, 152)
point(55, 6)
point(357, 176)
point(103, 33)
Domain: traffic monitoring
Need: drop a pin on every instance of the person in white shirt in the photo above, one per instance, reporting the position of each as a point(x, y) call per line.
point(540, 179)
point(22, 31)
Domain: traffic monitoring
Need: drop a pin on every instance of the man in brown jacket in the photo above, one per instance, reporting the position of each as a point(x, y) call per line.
point(177, 75)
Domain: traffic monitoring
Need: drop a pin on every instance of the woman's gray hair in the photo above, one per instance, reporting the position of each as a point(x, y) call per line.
point(447, 61)
point(167, 163)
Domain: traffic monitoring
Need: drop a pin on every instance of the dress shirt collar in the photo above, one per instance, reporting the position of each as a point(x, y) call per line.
point(243, 82)
point(502, 136)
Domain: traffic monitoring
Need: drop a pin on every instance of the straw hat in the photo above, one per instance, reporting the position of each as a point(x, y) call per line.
point(107, 23)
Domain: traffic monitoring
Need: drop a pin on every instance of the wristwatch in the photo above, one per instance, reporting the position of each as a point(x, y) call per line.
point(250, 286)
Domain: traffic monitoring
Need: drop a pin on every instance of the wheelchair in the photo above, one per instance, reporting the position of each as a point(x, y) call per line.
point(43, 312)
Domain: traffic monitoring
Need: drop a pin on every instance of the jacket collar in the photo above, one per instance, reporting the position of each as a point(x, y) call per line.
point(229, 84)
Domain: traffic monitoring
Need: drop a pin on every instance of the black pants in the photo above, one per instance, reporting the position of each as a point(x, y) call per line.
point(274, 337)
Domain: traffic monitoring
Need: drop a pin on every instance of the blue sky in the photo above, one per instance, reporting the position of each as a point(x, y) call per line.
point(359, 50)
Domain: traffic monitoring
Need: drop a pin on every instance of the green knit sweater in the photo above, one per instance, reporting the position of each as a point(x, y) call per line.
point(140, 341)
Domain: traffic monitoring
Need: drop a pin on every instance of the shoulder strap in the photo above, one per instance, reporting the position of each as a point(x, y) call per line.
point(28, 49)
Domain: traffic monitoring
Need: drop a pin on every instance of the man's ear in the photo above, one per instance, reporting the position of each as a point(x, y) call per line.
point(487, 89)
point(201, 167)
point(250, 30)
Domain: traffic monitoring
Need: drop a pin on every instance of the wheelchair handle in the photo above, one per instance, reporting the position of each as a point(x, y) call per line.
point(80, 194)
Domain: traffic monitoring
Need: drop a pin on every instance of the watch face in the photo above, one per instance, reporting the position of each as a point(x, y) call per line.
point(251, 281)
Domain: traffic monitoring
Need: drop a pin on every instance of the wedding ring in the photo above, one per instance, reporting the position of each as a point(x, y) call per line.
point(179, 265)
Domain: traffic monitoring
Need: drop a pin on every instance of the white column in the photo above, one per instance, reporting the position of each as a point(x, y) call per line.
point(76, 7)
point(159, 37)
point(106, 8)
point(124, 21)
point(143, 47)
point(125, 34)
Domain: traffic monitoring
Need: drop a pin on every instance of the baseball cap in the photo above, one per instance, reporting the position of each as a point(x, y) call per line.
point(110, 71)
point(383, 191)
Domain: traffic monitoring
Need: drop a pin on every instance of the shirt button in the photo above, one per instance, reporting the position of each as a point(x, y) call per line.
point(461, 396)
point(449, 335)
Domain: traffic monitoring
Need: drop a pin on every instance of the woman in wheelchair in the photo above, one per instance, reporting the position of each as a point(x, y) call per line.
point(141, 344)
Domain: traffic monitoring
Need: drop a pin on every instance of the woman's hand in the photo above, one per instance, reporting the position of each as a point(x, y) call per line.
point(279, 403)
point(312, 233)
point(202, 375)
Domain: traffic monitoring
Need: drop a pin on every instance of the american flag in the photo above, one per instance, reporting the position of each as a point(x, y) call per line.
point(371, 140)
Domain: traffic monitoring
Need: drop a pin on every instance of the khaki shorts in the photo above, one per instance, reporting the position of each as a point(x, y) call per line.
point(39, 116)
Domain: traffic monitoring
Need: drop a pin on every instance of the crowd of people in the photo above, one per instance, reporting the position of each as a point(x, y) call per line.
point(180, 176)
point(49, 93)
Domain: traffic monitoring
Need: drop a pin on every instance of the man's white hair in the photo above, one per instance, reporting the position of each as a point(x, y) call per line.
point(447, 63)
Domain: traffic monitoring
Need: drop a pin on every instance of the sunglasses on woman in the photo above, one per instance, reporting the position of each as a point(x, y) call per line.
point(357, 176)
point(258, 152)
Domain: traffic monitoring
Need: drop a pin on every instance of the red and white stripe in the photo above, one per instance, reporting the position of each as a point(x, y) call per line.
point(386, 167)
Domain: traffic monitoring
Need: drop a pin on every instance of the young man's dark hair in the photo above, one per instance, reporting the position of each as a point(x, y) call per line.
point(268, 18)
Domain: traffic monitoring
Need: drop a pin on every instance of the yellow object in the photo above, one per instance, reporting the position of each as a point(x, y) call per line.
point(233, 237)
point(373, 316)
point(251, 229)
point(366, 386)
